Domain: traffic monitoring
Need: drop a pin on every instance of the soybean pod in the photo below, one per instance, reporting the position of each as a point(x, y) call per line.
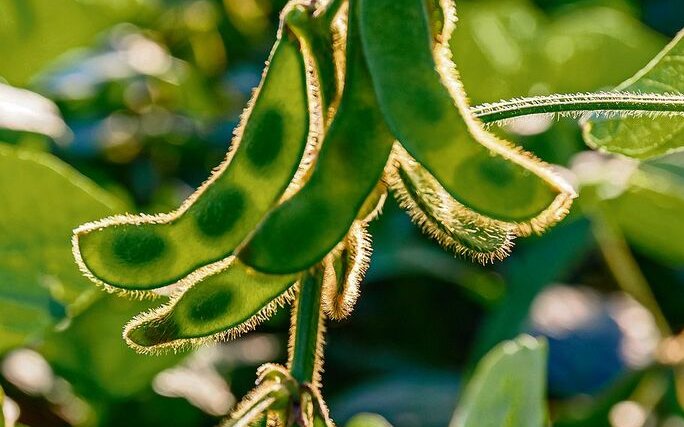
point(426, 108)
point(346, 266)
point(454, 226)
point(344, 273)
point(218, 306)
point(355, 150)
point(272, 146)
point(321, 41)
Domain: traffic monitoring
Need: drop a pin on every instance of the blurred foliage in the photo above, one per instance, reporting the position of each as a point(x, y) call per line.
point(645, 137)
point(509, 48)
point(141, 97)
point(367, 420)
point(650, 211)
point(39, 282)
point(34, 32)
point(507, 388)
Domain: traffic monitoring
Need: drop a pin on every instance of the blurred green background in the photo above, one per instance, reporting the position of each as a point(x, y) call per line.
point(141, 97)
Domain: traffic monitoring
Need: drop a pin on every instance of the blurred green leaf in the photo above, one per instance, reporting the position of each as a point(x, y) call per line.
point(508, 387)
point(92, 356)
point(367, 420)
point(590, 48)
point(510, 48)
point(499, 37)
point(644, 137)
point(650, 211)
point(34, 32)
point(42, 201)
point(411, 396)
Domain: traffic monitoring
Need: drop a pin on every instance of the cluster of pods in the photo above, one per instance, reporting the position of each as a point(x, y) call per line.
point(358, 98)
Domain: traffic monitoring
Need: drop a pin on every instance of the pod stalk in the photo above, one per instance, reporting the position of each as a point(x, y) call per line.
point(609, 103)
point(305, 347)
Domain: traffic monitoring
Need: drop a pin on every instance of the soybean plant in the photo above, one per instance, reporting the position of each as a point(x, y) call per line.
point(358, 98)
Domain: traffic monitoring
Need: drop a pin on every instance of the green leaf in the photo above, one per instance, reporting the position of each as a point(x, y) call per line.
point(495, 44)
point(42, 201)
point(508, 387)
point(645, 137)
point(26, 307)
point(609, 43)
point(426, 108)
point(367, 420)
point(351, 161)
point(34, 32)
point(91, 355)
point(145, 252)
point(649, 211)
point(511, 48)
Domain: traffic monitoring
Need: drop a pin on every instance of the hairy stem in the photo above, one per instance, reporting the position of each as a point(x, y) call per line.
point(631, 103)
point(306, 333)
point(625, 268)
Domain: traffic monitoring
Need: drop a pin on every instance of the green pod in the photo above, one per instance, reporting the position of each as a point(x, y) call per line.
point(301, 231)
point(220, 305)
point(320, 42)
point(346, 266)
point(457, 228)
point(345, 272)
point(426, 108)
point(372, 207)
point(266, 161)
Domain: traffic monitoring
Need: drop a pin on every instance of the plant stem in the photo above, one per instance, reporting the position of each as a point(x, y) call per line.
point(625, 268)
point(306, 333)
point(580, 102)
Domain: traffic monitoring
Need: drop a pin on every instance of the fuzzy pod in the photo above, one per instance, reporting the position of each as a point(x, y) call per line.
point(425, 106)
point(220, 305)
point(272, 148)
point(355, 150)
point(457, 228)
